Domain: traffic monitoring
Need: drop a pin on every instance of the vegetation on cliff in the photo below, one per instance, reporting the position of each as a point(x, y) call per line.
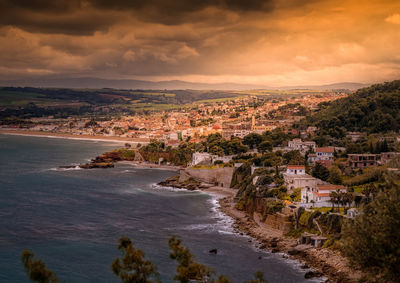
point(372, 240)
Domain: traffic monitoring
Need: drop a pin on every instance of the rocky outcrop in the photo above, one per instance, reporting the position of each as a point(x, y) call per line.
point(188, 184)
point(197, 179)
point(215, 176)
point(93, 165)
point(107, 159)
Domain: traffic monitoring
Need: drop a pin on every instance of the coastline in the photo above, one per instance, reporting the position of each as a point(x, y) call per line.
point(71, 136)
point(322, 261)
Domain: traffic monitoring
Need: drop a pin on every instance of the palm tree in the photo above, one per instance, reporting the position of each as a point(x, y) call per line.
point(334, 198)
point(349, 197)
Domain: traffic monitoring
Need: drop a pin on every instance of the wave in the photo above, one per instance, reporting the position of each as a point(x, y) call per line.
point(158, 187)
point(66, 169)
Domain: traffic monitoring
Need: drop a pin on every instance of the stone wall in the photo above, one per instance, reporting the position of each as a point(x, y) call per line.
point(218, 176)
point(278, 221)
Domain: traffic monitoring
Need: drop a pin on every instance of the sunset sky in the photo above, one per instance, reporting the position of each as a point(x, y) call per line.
point(272, 42)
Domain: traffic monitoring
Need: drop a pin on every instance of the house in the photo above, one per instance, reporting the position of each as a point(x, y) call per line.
point(296, 169)
point(204, 158)
point(319, 194)
point(296, 177)
point(363, 160)
point(201, 158)
point(354, 136)
point(173, 143)
point(386, 157)
point(323, 155)
point(303, 147)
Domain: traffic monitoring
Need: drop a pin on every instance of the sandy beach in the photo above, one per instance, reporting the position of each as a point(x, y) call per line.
point(70, 136)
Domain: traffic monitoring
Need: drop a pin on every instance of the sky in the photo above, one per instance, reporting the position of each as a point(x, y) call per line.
point(270, 42)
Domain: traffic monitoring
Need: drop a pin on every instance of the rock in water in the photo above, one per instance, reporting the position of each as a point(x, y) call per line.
point(312, 274)
point(213, 251)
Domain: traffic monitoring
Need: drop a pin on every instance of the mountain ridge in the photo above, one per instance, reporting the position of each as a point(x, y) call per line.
point(90, 82)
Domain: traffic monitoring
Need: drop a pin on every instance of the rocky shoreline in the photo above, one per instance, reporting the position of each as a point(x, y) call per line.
point(322, 261)
point(110, 158)
point(190, 184)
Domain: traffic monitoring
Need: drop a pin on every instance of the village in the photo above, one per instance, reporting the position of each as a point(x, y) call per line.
point(239, 119)
point(230, 117)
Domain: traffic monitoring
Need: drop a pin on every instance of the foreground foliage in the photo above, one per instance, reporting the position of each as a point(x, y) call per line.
point(36, 269)
point(132, 267)
point(372, 240)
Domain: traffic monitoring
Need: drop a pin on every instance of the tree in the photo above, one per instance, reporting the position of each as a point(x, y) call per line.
point(320, 171)
point(333, 199)
point(188, 269)
point(252, 140)
point(265, 146)
point(370, 192)
point(36, 269)
point(372, 240)
point(335, 175)
point(132, 267)
point(293, 157)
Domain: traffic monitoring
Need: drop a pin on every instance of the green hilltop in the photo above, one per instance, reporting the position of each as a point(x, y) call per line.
point(374, 109)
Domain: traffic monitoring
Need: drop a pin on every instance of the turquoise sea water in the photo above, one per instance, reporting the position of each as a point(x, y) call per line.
point(72, 219)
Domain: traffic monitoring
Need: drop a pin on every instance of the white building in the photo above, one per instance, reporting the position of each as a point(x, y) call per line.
point(296, 177)
point(201, 157)
point(318, 195)
point(209, 159)
point(298, 144)
point(296, 169)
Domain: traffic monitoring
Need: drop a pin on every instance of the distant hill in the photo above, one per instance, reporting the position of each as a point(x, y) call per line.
point(88, 82)
point(335, 86)
point(374, 109)
point(96, 83)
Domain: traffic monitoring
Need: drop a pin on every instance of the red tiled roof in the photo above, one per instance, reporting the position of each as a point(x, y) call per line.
point(321, 194)
point(330, 187)
point(296, 167)
point(325, 149)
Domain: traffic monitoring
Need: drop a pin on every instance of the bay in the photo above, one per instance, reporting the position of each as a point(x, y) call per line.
point(72, 219)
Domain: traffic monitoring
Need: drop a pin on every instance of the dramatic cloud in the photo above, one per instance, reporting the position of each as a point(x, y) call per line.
point(394, 19)
point(275, 42)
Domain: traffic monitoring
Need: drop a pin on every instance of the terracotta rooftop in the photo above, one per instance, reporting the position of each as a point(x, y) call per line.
point(300, 167)
point(325, 149)
point(321, 194)
point(331, 187)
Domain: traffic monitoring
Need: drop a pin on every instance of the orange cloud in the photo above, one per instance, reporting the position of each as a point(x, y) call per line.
point(274, 42)
point(394, 19)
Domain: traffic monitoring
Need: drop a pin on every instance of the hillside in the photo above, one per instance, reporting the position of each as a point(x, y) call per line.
point(373, 109)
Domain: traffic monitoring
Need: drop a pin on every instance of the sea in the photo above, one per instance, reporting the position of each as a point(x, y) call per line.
point(72, 218)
